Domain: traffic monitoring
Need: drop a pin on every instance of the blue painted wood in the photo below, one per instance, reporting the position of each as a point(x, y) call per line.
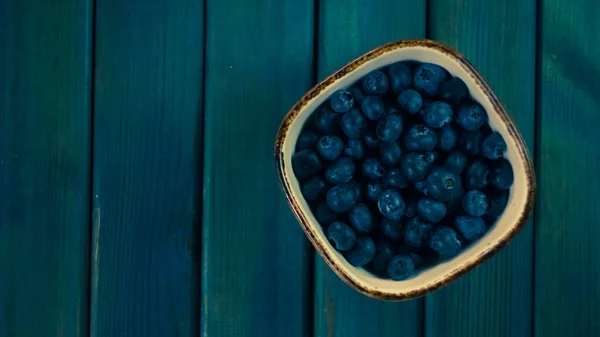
point(147, 168)
point(259, 63)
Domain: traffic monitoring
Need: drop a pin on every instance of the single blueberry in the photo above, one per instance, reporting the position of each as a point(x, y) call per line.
point(411, 207)
point(493, 146)
point(416, 166)
point(501, 176)
point(340, 171)
point(357, 94)
point(437, 114)
point(371, 140)
point(391, 229)
point(471, 117)
point(448, 138)
point(457, 161)
point(390, 153)
point(429, 78)
point(375, 83)
point(390, 204)
point(431, 210)
point(330, 147)
point(497, 204)
point(470, 142)
point(362, 252)
point(373, 108)
point(341, 198)
point(389, 128)
point(373, 190)
point(401, 267)
point(307, 140)
point(361, 219)
point(306, 163)
point(324, 215)
point(355, 149)
point(314, 188)
point(454, 91)
point(372, 168)
point(416, 232)
point(354, 124)
point(420, 138)
point(341, 236)
point(400, 77)
point(383, 253)
point(327, 121)
point(475, 202)
point(444, 241)
point(341, 101)
point(444, 185)
point(470, 228)
point(421, 186)
point(393, 178)
point(410, 101)
point(476, 175)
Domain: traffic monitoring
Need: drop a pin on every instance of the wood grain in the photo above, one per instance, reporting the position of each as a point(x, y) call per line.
point(567, 297)
point(499, 39)
point(347, 29)
point(259, 63)
point(147, 168)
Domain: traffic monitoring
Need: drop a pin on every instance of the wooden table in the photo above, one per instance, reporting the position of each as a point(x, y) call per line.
point(138, 195)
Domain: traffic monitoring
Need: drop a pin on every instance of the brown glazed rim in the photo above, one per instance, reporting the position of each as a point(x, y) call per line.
point(499, 109)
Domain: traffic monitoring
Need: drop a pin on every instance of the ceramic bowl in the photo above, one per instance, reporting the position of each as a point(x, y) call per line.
point(521, 196)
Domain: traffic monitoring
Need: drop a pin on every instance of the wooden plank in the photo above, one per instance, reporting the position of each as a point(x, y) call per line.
point(259, 63)
point(567, 251)
point(45, 114)
point(347, 29)
point(147, 164)
point(499, 39)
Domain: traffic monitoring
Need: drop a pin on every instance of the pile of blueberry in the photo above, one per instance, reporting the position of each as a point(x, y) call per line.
point(402, 169)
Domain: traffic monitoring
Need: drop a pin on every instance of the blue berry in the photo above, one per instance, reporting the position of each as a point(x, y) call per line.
point(400, 77)
point(325, 215)
point(437, 114)
point(497, 203)
point(389, 128)
point(372, 168)
point(416, 232)
point(501, 176)
point(357, 94)
point(341, 101)
point(471, 117)
point(330, 147)
point(493, 146)
point(410, 101)
point(470, 142)
point(390, 204)
point(454, 91)
point(341, 236)
point(421, 186)
point(431, 210)
point(444, 241)
point(411, 207)
point(371, 140)
point(307, 140)
point(394, 179)
point(314, 188)
point(373, 108)
point(391, 229)
point(448, 138)
point(470, 228)
point(457, 161)
point(327, 121)
point(362, 252)
point(355, 149)
point(416, 166)
point(373, 190)
point(306, 163)
point(340, 171)
point(383, 253)
point(420, 138)
point(390, 154)
point(401, 267)
point(375, 83)
point(354, 124)
point(444, 184)
point(361, 219)
point(429, 78)
point(475, 203)
point(341, 198)
point(476, 175)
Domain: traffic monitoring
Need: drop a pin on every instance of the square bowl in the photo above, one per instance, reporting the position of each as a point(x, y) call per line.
point(521, 194)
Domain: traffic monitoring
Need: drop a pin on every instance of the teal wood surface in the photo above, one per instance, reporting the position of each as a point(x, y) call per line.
point(45, 74)
point(147, 163)
point(567, 297)
point(255, 265)
point(498, 37)
point(347, 29)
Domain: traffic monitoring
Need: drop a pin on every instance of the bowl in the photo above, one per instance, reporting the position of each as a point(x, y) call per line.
point(521, 194)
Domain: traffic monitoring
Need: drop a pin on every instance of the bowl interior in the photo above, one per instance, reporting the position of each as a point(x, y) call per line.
point(433, 276)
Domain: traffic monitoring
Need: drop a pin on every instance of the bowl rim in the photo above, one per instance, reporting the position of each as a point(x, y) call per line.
point(499, 109)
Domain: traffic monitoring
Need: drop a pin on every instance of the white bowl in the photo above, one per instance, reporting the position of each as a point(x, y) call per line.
point(521, 197)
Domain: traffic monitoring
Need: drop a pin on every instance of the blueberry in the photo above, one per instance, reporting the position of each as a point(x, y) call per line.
point(416, 232)
point(471, 117)
point(355, 149)
point(437, 114)
point(314, 188)
point(306, 163)
point(373, 190)
point(421, 186)
point(357, 94)
point(454, 91)
point(416, 166)
point(497, 204)
point(330, 147)
point(476, 175)
point(390, 204)
point(325, 215)
point(470, 228)
point(371, 140)
point(401, 267)
point(389, 128)
point(410, 101)
point(475, 202)
point(448, 138)
point(420, 138)
point(341, 198)
point(383, 253)
point(327, 121)
point(362, 252)
point(354, 124)
point(372, 168)
point(470, 142)
point(373, 108)
point(307, 140)
point(394, 179)
point(457, 161)
point(375, 83)
point(444, 241)
point(391, 229)
point(390, 154)
point(431, 210)
point(411, 207)
point(361, 219)
point(341, 101)
point(340, 171)
point(501, 176)
point(429, 78)
point(444, 185)
point(400, 77)
point(493, 146)
point(341, 236)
